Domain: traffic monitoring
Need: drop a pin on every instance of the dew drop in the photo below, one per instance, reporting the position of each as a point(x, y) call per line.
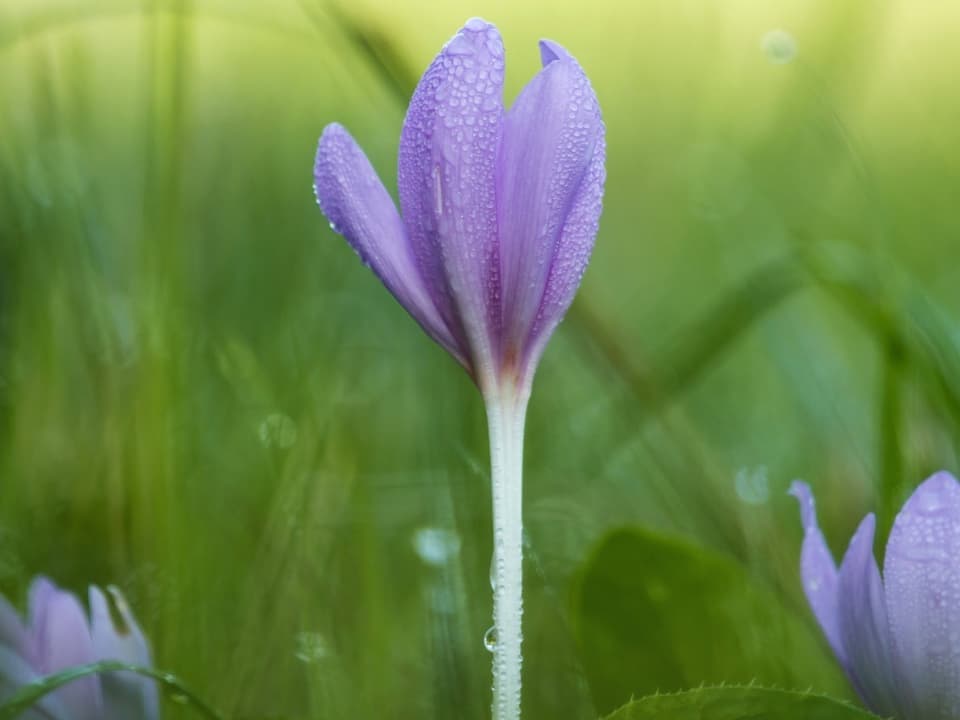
point(436, 546)
point(930, 501)
point(476, 24)
point(780, 46)
point(752, 486)
point(311, 647)
point(490, 639)
point(437, 191)
point(277, 430)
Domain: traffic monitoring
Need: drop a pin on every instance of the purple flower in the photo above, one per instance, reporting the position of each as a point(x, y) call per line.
point(898, 639)
point(58, 635)
point(500, 208)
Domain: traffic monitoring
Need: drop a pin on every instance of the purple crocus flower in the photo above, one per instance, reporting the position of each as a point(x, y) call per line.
point(499, 208)
point(897, 638)
point(57, 635)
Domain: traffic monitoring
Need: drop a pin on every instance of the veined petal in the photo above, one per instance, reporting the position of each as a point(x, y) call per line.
point(124, 694)
point(819, 572)
point(551, 175)
point(446, 179)
point(922, 582)
point(864, 631)
point(61, 637)
point(359, 208)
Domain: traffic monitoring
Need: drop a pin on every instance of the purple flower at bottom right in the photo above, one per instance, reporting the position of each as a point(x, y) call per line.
point(896, 636)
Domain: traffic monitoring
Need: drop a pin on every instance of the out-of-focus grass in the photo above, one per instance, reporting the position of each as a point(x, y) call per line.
point(207, 400)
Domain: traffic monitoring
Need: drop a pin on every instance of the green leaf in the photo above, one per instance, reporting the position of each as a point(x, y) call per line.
point(739, 703)
point(651, 614)
point(30, 694)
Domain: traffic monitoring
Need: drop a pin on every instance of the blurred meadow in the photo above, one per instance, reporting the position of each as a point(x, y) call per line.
point(208, 401)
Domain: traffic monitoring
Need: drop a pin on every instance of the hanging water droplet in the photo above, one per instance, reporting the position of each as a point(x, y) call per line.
point(172, 689)
point(490, 639)
point(493, 572)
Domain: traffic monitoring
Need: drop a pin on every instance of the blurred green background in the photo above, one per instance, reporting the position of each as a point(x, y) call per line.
point(207, 400)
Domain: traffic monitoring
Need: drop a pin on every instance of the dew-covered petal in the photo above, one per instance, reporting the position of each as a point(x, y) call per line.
point(446, 179)
point(61, 638)
point(818, 571)
point(551, 175)
point(15, 672)
point(864, 632)
point(359, 208)
point(922, 583)
point(117, 636)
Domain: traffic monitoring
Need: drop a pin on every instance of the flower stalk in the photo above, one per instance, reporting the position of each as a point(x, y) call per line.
point(500, 210)
point(506, 415)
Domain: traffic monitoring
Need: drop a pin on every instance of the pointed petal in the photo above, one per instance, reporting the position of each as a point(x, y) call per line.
point(864, 631)
point(551, 184)
point(922, 580)
point(359, 208)
point(124, 694)
point(62, 639)
point(446, 178)
point(550, 51)
point(818, 571)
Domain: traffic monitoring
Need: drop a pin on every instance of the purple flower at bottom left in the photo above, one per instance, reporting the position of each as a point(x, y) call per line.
point(58, 633)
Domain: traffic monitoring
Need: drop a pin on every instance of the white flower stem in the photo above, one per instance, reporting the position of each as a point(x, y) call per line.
point(506, 412)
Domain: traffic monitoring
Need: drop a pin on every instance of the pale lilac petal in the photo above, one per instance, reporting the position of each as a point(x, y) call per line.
point(15, 672)
point(13, 633)
point(38, 604)
point(359, 208)
point(61, 637)
point(120, 638)
point(551, 175)
point(864, 632)
point(922, 582)
point(446, 179)
point(818, 571)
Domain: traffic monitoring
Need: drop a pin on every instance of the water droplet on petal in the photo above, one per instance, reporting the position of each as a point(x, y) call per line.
point(437, 191)
point(476, 24)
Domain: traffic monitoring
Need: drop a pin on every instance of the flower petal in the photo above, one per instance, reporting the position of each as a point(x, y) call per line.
point(551, 176)
point(864, 631)
point(818, 571)
point(359, 208)
point(13, 633)
point(15, 672)
point(922, 580)
point(124, 694)
point(446, 171)
point(62, 639)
